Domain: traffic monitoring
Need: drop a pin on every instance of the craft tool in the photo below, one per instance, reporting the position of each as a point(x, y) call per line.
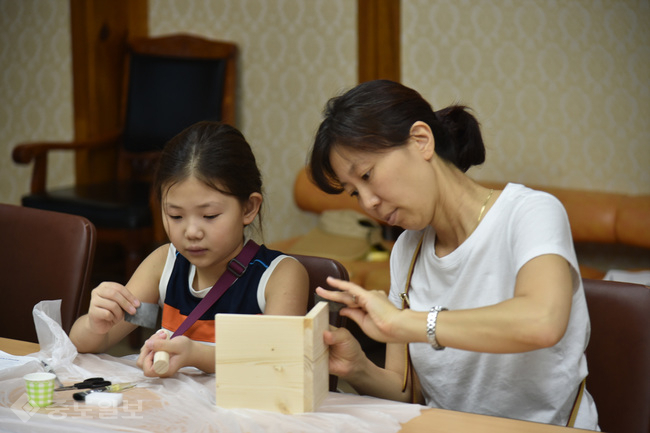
point(81, 396)
point(145, 315)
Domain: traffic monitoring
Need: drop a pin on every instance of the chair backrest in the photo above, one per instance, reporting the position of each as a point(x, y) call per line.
point(319, 268)
point(618, 354)
point(172, 82)
point(47, 255)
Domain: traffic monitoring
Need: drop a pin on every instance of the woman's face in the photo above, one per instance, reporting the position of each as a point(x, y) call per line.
point(393, 186)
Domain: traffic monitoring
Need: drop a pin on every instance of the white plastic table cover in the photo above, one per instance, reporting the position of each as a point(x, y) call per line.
point(182, 403)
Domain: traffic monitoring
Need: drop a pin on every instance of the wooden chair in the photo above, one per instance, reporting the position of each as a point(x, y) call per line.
point(319, 268)
point(618, 354)
point(47, 256)
point(171, 82)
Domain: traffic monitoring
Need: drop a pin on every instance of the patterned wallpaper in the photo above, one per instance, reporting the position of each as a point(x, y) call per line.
point(562, 88)
point(35, 89)
point(294, 55)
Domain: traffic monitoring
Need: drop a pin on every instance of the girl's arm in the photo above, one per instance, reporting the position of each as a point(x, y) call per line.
point(287, 290)
point(183, 352)
point(104, 326)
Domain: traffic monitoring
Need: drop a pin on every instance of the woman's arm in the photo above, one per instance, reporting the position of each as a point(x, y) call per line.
point(287, 290)
point(536, 317)
point(103, 326)
point(365, 376)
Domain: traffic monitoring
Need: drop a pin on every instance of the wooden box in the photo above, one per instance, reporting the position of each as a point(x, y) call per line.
point(274, 363)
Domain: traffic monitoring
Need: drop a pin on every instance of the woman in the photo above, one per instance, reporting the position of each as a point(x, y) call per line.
point(494, 274)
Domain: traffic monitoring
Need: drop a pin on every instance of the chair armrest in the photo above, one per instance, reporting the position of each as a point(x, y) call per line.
point(24, 153)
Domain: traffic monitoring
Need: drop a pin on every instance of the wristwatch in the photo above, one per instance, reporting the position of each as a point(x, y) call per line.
point(432, 319)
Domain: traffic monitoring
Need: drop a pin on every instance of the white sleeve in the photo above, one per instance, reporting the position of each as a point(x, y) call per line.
point(261, 287)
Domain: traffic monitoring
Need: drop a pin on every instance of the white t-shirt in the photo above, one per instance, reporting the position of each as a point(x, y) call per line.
point(540, 385)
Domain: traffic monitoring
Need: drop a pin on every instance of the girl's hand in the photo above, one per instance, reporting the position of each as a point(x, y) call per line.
point(371, 310)
point(108, 303)
point(179, 349)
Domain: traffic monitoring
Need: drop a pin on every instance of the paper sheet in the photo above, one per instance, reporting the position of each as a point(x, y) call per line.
point(184, 402)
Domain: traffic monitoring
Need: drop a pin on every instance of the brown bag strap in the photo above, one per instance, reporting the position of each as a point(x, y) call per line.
point(576, 404)
point(406, 304)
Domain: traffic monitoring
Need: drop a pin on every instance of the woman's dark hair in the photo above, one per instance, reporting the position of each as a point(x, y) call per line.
point(216, 154)
point(378, 115)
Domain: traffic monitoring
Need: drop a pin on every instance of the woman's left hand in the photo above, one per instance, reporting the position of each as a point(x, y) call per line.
point(179, 350)
point(371, 310)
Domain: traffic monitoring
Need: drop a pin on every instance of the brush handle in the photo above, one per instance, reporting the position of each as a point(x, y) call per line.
point(161, 358)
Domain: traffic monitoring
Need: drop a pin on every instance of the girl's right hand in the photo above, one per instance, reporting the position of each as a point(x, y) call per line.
point(108, 303)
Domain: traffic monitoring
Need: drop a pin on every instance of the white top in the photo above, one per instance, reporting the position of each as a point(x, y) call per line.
point(540, 385)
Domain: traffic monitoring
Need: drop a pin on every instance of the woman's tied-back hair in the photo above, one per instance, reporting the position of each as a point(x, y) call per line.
point(214, 153)
point(377, 115)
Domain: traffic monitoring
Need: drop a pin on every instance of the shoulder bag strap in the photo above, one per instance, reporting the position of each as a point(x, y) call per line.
point(406, 304)
point(576, 404)
point(235, 269)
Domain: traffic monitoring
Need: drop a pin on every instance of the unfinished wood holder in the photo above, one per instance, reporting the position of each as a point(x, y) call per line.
point(274, 363)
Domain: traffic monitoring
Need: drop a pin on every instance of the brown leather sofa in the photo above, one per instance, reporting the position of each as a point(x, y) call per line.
point(595, 217)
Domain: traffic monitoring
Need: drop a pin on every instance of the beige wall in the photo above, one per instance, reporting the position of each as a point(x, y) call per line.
point(35, 88)
point(294, 55)
point(561, 88)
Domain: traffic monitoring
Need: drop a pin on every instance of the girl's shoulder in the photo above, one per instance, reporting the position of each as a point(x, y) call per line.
point(158, 258)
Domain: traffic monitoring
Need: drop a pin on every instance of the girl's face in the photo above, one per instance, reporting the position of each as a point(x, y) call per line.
point(205, 225)
point(392, 186)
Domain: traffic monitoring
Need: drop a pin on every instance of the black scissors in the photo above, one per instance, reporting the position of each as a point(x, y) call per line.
point(92, 383)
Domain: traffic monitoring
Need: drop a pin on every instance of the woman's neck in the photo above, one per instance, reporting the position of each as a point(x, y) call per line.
point(456, 217)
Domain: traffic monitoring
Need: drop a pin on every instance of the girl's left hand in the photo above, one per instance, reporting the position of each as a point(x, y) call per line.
point(179, 350)
point(371, 310)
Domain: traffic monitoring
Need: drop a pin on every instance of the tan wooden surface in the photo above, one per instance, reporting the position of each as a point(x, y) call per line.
point(444, 421)
point(276, 363)
point(17, 347)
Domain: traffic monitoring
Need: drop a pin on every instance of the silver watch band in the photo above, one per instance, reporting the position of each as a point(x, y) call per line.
point(432, 320)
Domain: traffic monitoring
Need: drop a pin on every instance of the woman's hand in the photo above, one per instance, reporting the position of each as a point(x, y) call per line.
point(108, 303)
point(345, 353)
point(371, 310)
point(180, 353)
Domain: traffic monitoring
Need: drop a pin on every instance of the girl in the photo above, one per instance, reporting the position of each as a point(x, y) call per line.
point(210, 189)
point(492, 275)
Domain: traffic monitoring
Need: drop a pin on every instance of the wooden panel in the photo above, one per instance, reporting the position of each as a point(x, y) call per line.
point(275, 363)
point(379, 39)
point(100, 30)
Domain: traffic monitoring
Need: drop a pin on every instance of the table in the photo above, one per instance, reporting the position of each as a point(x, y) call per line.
point(17, 347)
point(429, 420)
point(444, 421)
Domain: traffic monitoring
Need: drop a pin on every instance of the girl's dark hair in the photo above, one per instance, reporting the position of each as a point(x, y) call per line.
point(378, 115)
point(216, 154)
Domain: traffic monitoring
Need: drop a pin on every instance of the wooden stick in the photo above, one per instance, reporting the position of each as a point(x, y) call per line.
point(161, 358)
